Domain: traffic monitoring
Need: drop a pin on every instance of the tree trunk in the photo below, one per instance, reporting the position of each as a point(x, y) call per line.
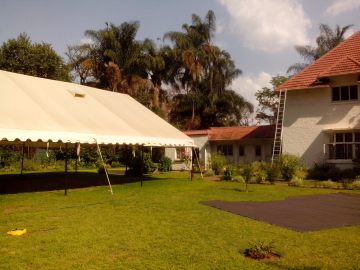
point(156, 95)
point(193, 112)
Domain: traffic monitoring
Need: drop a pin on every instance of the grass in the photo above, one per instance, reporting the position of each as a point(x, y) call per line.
point(161, 226)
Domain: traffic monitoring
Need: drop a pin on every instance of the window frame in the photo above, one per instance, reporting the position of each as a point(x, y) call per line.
point(345, 93)
point(225, 149)
point(344, 145)
point(179, 156)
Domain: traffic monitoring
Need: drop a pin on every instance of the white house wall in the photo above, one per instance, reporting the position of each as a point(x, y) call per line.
point(200, 141)
point(249, 150)
point(309, 113)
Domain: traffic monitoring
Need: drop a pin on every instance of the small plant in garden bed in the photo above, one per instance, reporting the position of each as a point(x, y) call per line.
point(356, 184)
point(260, 251)
point(296, 182)
point(228, 173)
point(165, 164)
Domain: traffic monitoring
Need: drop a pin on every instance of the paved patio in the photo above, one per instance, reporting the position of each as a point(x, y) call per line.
point(301, 213)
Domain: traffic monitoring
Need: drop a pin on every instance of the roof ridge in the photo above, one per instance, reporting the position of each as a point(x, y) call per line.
point(354, 60)
point(336, 64)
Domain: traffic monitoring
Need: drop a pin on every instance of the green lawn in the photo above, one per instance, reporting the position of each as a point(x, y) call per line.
point(160, 226)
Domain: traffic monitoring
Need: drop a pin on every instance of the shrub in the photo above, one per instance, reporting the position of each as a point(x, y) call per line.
point(218, 163)
point(165, 164)
point(8, 156)
point(323, 172)
point(209, 173)
point(329, 171)
point(296, 183)
point(116, 164)
point(141, 165)
point(274, 173)
point(355, 185)
point(238, 178)
point(291, 167)
point(30, 165)
point(328, 184)
point(148, 165)
point(260, 171)
point(228, 173)
point(346, 183)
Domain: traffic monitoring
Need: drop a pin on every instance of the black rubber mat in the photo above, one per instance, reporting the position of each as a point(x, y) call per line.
point(302, 213)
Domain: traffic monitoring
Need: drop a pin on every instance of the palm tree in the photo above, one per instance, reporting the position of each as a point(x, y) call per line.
point(190, 55)
point(156, 70)
point(118, 57)
point(327, 40)
point(202, 71)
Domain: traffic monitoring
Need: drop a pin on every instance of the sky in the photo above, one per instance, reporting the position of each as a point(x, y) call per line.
point(260, 35)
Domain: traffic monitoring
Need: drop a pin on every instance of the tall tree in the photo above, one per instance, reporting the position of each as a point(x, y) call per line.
point(80, 62)
point(268, 99)
point(117, 57)
point(202, 73)
point(21, 55)
point(119, 62)
point(327, 40)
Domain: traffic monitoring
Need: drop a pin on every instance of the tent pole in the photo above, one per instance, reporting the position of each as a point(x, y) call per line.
point(77, 157)
point(66, 169)
point(192, 165)
point(102, 160)
point(198, 162)
point(142, 165)
point(22, 158)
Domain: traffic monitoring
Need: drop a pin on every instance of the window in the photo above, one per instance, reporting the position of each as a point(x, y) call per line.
point(182, 154)
point(241, 150)
point(226, 149)
point(344, 93)
point(345, 145)
point(357, 136)
point(258, 150)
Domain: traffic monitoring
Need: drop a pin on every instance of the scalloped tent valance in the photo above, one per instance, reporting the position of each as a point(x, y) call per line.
point(41, 110)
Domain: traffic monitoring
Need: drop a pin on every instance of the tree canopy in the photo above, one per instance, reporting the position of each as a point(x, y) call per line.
point(268, 99)
point(202, 74)
point(21, 55)
point(198, 71)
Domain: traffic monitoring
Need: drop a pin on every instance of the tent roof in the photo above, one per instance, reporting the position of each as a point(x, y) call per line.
point(39, 109)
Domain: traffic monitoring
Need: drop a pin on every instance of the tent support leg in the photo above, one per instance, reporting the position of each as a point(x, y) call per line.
point(142, 166)
point(103, 163)
point(66, 169)
point(192, 165)
point(22, 159)
point(198, 162)
point(77, 157)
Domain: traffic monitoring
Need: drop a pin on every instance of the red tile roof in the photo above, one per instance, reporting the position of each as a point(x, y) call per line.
point(347, 65)
point(343, 59)
point(235, 133)
point(196, 132)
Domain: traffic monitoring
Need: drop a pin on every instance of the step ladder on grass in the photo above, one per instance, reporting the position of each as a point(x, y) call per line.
point(277, 148)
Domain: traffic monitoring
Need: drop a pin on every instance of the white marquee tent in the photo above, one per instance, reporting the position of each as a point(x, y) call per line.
point(35, 109)
point(41, 112)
